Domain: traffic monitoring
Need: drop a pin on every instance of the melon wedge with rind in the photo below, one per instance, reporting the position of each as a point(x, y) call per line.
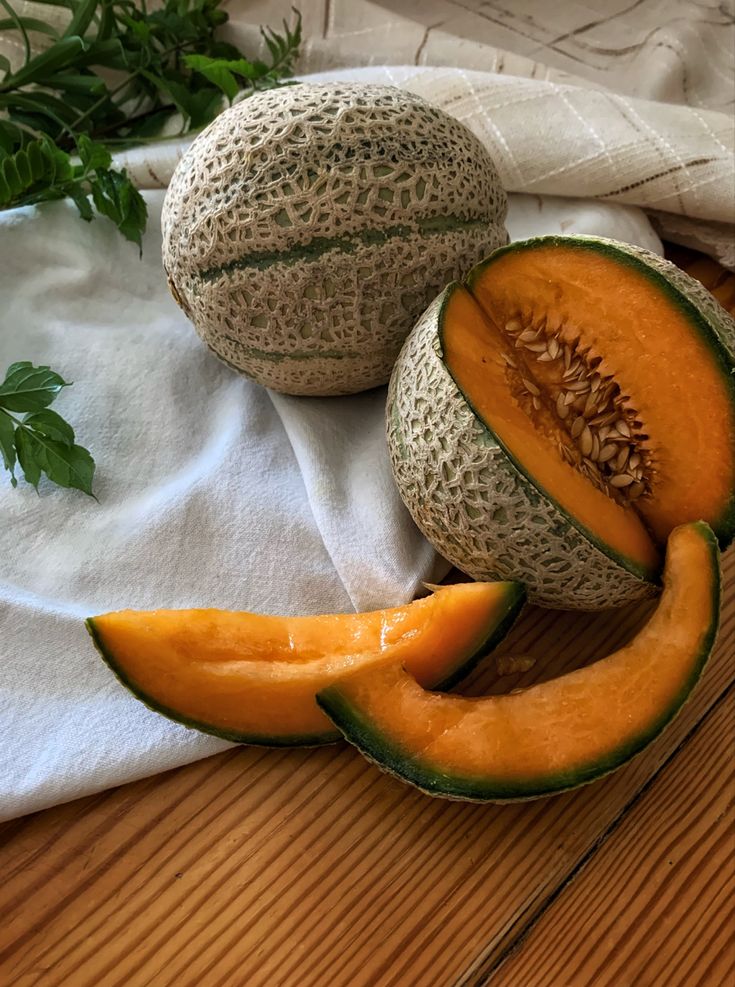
point(556, 735)
point(253, 678)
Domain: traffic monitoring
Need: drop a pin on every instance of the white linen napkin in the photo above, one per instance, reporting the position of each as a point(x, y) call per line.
point(212, 492)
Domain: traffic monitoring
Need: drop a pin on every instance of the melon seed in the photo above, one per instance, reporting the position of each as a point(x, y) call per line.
point(621, 480)
point(577, 427)
point(607, 452)
point(585, 441)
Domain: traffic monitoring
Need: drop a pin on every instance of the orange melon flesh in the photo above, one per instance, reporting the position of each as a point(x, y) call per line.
point(646, 335)
point(473, 353)
point(253, 678)
point(554, 735)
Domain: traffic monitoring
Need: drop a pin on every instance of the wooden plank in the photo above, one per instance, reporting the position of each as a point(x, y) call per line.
point(302, 868)
point(656, 905)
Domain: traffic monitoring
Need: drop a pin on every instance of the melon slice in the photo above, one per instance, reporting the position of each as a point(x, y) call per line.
point(555, 735)
point(582, 406)
point(253, 678)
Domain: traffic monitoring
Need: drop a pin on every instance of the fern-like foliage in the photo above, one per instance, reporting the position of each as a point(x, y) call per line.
point(60, 116)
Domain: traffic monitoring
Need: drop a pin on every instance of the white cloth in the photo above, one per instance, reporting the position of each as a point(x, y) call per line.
point(211, 493)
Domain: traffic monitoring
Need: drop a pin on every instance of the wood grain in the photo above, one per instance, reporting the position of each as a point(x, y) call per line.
point(656, 904)
point(262, 868)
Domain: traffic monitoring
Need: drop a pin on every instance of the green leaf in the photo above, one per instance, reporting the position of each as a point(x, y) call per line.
point(52, 425)
point(11, 175)
point(60, 168)
point(109, 54)
point(81, 201)
point(216, 71)
point(115, 196)
point(30, 24)
point(29, 388)
point(7, 444)
point(167, 62)
point(38, 101)
point(65, 465)
point(23, 165)
point(83, 14)
point(26, 447)
point(74, 82)
point(93, 156)
point(42, 442)
point(56, 57)
point(18, 24)
point(9, 136)
point(37, 159)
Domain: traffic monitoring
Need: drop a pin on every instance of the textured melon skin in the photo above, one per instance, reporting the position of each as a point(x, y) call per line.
point(474, 504)
point(307, 228)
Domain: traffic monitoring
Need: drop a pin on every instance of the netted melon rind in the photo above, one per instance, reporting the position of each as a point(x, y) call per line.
point(471, 502)
point(307, 228)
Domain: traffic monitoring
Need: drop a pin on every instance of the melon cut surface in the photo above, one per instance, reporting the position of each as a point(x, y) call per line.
point(253, 678)
point(306, 229)
point(555, 735)
point(582, 406)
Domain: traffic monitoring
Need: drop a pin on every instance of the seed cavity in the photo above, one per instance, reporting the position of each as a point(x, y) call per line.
point(604, 436)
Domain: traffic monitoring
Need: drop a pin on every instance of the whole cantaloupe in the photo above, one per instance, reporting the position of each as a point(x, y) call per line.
point(306, 229)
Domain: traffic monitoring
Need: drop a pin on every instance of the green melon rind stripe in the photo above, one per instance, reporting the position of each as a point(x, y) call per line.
point(630, 565)
point(388, 754)
point(499, 623)
point(724, 526)
point(279, 356)
point(348, 244)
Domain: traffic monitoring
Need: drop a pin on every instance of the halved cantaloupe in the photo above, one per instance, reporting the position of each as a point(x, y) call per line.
point(555, 735)
point(253, 678)
point(556, 417)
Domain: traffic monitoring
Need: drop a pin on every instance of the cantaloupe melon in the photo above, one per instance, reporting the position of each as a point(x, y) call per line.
point(555, 735)
point(307, 228)
point(554, 419)
point(253, 678)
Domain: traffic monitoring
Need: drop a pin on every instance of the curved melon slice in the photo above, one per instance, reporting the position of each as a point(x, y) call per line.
point(555, 735)
point(253, 678)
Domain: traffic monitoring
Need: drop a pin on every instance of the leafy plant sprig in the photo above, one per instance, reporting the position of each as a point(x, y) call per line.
point(35, 438)
point(61, 113)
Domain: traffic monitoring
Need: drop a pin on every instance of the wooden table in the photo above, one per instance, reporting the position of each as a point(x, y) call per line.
point(309, 868)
